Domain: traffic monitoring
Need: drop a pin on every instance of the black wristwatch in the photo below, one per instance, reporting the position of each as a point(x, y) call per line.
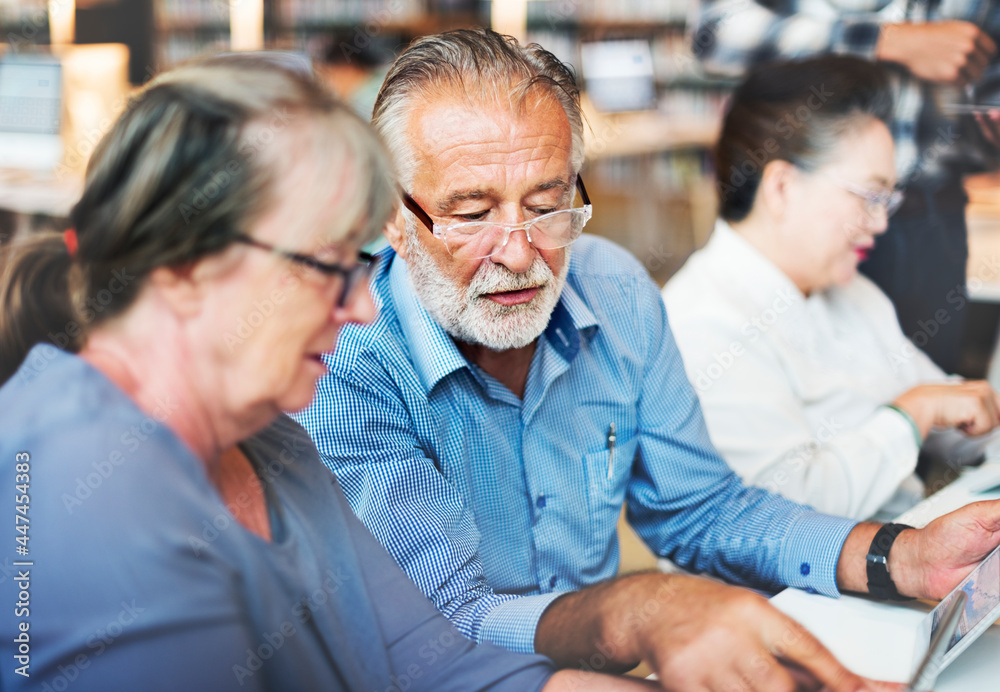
point(880, 584)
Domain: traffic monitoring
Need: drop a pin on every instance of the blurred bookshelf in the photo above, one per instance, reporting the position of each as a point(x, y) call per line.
point(298, 22)
point(187, 28)
point(649, 171)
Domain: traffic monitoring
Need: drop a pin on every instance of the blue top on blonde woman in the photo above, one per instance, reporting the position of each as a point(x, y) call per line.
point(141, 578)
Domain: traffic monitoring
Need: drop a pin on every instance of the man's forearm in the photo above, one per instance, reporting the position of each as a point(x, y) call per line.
point(598, 627)
point(852, 572)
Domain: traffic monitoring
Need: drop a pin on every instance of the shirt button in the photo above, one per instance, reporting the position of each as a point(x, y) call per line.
point(541, 502)
point(804, 569)
point(552, 582)
point(811, 590)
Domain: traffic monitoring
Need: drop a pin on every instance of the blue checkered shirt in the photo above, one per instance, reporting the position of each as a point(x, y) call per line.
point(734, 34)
point(495, 505)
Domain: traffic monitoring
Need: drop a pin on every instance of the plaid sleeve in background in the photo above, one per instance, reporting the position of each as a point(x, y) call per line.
point(732, 35)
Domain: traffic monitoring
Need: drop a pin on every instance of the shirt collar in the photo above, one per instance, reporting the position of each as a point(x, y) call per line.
point(570, 318)
point(433, 351)
point(761, 280)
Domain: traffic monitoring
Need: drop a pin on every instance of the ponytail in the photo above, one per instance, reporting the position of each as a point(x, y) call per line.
point(35, 298)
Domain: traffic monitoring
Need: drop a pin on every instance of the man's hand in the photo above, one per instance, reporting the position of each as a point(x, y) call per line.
point(929, 563)
point(948, 52)
point(583, 681)
point(973, 407)
point(695, 633)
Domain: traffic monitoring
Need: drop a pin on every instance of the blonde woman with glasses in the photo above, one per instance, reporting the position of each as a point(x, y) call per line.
point(175, 531)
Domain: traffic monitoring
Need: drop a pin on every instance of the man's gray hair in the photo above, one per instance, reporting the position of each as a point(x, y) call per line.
point(479, 62)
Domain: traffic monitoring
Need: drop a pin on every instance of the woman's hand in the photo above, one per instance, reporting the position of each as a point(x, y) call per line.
point(973, 406)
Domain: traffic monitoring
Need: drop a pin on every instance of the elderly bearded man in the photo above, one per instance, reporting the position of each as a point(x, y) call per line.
point(513, 393)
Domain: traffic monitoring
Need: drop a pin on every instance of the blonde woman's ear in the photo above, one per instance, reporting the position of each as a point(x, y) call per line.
point(182, 288)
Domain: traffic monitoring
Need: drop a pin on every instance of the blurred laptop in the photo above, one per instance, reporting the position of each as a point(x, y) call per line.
point(619, 75)
point(30, 112)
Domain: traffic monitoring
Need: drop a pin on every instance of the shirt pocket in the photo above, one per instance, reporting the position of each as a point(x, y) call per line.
point(606, 492)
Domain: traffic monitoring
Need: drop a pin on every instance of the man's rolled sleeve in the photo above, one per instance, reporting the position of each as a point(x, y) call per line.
point(811, 550)
point(512, 624)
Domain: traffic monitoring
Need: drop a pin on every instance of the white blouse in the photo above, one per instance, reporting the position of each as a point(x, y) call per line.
point(792, 387)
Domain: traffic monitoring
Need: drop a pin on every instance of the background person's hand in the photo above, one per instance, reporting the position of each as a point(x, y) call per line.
point(972, 406)
point(948, 52)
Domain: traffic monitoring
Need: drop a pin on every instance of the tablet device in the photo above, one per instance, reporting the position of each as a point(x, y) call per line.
point(926, 673)
point(982, 609)
point(969, 108)
point(886, 641)
point(983, 97)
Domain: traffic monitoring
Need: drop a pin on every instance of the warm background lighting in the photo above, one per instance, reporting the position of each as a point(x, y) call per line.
point(62, 22)
point(510, 17)
point(246, 24)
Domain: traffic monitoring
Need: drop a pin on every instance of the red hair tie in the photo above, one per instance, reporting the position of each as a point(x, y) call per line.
point(69, 237)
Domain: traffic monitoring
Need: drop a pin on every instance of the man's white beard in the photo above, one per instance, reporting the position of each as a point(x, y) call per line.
point(467, 315)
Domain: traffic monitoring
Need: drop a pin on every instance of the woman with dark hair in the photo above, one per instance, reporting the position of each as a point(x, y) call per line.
point(174, 530)
point(808, 385)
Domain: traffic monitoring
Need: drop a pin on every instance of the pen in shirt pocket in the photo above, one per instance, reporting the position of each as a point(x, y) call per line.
point(611, 449)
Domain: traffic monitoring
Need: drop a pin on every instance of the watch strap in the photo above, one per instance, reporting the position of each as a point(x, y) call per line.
point(880, 584)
